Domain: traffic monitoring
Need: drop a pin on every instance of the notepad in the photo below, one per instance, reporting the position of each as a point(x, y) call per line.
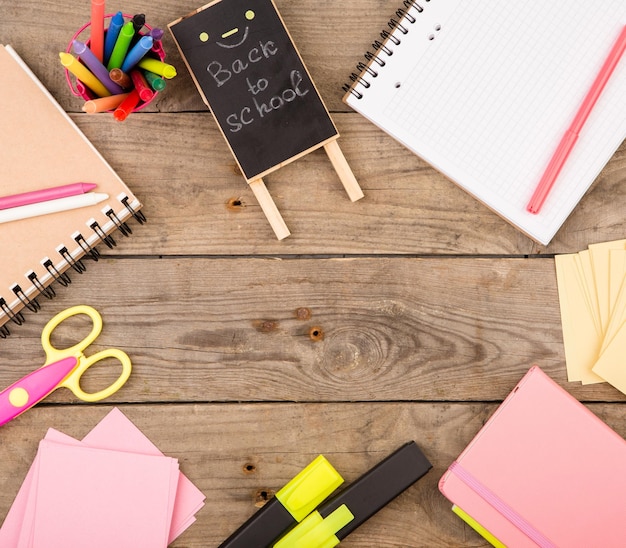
point(102, 498)
point(484, 91)
point(543, 471)
point(592, 299)
point(41, 147)
point(116, 476)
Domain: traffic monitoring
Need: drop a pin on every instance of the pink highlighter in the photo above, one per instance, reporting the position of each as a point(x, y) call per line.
point(45, 195)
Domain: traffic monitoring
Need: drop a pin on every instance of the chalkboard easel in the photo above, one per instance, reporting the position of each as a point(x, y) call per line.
point(341, 167)
point(249, 73)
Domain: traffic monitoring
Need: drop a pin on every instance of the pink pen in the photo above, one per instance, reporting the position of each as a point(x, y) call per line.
point(571, 135)
point(45, 194)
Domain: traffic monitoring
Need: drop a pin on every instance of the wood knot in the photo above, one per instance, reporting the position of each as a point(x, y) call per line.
point(266, 326)
point(262, 496)
point(316, 333)
point(249, 468)
point(235, 204)
point(303, 313)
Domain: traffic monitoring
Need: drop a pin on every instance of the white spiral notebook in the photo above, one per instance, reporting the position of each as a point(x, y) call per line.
point(483, 91)
point(40, 148)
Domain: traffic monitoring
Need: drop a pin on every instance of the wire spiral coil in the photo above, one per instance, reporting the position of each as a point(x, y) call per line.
point(402, 19)
point(59, 273)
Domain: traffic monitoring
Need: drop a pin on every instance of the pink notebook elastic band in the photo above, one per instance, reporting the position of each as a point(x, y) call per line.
point(504, 509)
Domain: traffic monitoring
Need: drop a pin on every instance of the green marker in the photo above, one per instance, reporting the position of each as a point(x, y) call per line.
point(156, 82)
point(121, 46)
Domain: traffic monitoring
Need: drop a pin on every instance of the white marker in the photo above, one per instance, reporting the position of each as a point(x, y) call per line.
point(52, 206)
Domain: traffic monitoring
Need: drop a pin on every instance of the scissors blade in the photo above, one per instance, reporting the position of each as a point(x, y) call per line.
point(33, 388)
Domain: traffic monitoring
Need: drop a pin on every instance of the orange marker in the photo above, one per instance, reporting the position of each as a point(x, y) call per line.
point(103, 104)
point(97, 29)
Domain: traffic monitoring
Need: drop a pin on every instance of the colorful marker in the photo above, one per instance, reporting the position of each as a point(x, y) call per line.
point(116, 24)
point(156, 82)
point(82, 73)
point(97, 28)
point(157, 34)
point(141, 85)
point(121, 78)
point(52, 206)
point(289, 507)
point(121, 46)
point(45, 194)
point(158, 67)
point(102, 104)
point(95, 66)
point(137, 52)
point(363, 498)
point(139, 21)
point(126, 106)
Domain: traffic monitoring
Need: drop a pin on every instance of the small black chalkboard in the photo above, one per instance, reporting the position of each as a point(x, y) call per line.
point(251, 76)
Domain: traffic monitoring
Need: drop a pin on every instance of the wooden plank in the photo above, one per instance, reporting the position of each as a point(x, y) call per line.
point(198, 203)
point(236, 453)
point(316, 329)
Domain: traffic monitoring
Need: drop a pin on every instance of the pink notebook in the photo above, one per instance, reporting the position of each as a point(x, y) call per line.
point(543, 471)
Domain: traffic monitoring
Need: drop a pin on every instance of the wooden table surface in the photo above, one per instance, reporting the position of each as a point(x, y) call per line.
point(408, 315)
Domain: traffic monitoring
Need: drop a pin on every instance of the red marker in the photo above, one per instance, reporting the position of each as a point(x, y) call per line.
point(141, 85)
point(97, 29)
point(127, 106)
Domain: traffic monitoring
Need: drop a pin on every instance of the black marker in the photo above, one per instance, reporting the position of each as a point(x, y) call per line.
point(336, 519)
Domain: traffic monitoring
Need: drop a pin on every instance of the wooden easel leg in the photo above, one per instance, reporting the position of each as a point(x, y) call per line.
point(269, 208)
point(343, 170)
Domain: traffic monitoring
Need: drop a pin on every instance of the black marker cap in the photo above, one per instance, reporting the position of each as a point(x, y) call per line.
point(139, 21)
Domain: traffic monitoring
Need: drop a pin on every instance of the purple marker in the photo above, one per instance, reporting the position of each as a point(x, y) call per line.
point(137, 53)
point(156, 33)
point(95, 66)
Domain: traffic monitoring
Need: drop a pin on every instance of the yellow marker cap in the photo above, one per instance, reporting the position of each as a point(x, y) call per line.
point(316, 532)
point(309, 488)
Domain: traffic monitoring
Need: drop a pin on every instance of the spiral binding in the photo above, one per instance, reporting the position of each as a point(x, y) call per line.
point(402, 19)
point(77, 264)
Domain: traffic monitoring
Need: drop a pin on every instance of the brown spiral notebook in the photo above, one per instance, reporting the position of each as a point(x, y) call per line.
point(41, 147)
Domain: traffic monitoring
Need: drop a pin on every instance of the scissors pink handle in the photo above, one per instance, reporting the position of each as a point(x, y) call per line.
point(33, 388)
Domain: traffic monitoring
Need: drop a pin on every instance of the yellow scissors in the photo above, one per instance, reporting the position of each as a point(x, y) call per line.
point(63, 367)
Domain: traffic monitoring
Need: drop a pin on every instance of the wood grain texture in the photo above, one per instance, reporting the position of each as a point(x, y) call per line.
point(239, 454)
point(409, 314)
point(387, 329)
point(190, 180)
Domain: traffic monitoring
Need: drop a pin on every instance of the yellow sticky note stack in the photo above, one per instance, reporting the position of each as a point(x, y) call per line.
point(592, 297)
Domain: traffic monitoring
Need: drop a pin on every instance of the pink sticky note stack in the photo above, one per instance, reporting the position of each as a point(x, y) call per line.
point(113, 488)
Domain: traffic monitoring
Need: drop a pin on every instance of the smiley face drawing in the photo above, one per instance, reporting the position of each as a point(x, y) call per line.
point(240, 36)
point(250, 75)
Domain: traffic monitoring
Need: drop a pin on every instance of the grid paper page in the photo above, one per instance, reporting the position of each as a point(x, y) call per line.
point(488, 99)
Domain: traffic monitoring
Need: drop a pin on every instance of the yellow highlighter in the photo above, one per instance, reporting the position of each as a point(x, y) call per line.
point(316, 531)
point(83, 74)
point(290, 506)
